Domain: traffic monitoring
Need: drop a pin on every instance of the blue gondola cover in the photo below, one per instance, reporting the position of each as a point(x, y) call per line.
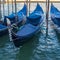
point(31, 27)
point(55, 15)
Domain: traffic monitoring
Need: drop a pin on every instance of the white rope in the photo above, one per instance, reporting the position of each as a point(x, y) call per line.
point(9, 29)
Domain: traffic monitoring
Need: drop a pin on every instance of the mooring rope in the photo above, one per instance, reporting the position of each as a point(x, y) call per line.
point(9, 29)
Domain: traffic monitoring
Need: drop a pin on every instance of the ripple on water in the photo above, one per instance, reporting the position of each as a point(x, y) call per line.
point(8, 52)
point(47, 49)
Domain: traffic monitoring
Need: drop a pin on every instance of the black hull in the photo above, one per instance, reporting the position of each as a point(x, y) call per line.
point(3, 32)
point(20, 41)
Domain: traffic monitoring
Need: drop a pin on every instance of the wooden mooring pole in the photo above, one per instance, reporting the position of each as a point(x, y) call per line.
point(29, 7)
point(47, 16)
point(3, 8)
point(0, 10)
point(12, 6)
point(8, 6)
point(15, 11)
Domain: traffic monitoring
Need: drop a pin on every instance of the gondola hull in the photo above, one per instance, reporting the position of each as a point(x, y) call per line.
point(14, 19)
point(17, 17)
point(55, 17)
point(31, 28)
point(19, 40)
point(3, 30)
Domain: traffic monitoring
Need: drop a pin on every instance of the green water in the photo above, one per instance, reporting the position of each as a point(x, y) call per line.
point(37, 48)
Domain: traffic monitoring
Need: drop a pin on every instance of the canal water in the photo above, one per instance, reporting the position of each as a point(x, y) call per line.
point(39, 47)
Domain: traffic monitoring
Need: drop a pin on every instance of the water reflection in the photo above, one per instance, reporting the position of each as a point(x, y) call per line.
point(27, 49)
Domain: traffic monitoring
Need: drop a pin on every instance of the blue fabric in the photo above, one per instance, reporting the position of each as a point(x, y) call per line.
point(27, 30)
point(38, 10)
point(54, 9)
point(55, 15)
point(2, 26)
point(56, 21)
point(10, 17)
point(35, 16)
point(22, 12)
point(34, 19)
point(21, 17)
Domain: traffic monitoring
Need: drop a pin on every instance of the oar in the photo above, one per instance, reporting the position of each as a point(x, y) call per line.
point(9, 28)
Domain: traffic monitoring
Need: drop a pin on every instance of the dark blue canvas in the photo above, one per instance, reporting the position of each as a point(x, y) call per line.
point(20, 13)
point(55, 15)
point(35, 17)
point(2, 26)
point(31, 27)
point(26, 30)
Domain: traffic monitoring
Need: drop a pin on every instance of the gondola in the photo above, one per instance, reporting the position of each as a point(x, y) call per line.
point(21, 16)
point(32, 27)
point(55, 17)
point(3, 30)
point(17, 17)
